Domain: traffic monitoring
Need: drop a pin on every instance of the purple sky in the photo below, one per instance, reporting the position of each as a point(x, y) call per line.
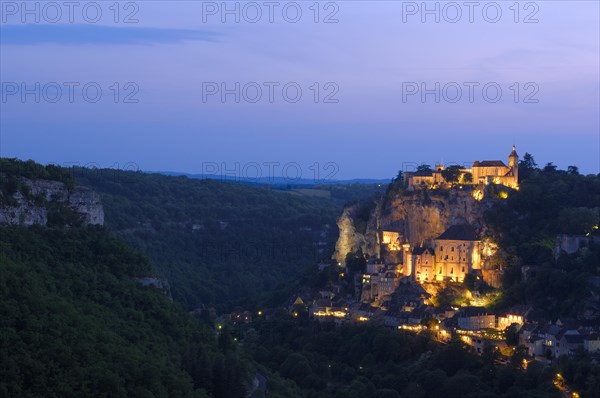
point(362, 64)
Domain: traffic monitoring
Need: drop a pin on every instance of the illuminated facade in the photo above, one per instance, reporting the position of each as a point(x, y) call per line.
point(506, 320)
point(475, 318)
point(453, 255)
point(482, 172)
point(378, 286)
point(391, 240)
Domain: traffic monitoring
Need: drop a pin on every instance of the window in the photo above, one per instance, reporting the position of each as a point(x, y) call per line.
point(463, 270)
point(452, 249)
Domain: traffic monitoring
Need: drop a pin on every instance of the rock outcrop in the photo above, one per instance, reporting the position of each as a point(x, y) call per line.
point(417, 216)
point(349, 239)
point(33, 208)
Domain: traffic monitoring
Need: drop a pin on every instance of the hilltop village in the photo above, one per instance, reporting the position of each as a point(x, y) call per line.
point(423, 262)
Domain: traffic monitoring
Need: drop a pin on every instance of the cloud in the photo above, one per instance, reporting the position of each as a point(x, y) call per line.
point(32, 34)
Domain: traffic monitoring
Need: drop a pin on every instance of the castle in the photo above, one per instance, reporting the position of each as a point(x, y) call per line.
point(453, 254)
point(482, 172)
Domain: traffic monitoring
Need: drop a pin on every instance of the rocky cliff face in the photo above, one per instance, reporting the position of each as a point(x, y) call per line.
point(349, 239)
point(32, 208)
point(418, 216)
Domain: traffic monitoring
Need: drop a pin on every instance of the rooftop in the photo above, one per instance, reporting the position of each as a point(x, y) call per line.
point(460, 232)
point(473, 311)
point(423, 173)
point(421, 250)
point(489, 163)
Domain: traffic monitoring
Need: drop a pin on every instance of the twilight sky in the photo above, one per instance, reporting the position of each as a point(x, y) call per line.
point(369, 73)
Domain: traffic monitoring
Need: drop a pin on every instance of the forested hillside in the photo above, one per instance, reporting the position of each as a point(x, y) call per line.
point(75, 324)
point(550, 202)
point(220, 242)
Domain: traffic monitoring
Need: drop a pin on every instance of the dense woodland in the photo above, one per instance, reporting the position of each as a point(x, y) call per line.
point(221, 243)
point(525, 225)
point(75, 324)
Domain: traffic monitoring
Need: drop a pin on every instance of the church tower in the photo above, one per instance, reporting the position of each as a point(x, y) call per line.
point(513, 163)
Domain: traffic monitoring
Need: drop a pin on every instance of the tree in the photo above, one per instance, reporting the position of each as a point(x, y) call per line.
point(550, 168)
point(518, 356)
point(356, 262)
point(451, 174)
point(225, 339)
point(387, 393)
point(578, 220)
point(399, 176)
point(467, 178)
point(469, 281)
point(573, 170)
point(296, 367)
point(512, 335)
point(424, 168)
point(528, 161)
point(527, 166)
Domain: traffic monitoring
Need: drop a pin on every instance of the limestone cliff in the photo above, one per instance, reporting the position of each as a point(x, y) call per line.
point(31, 205)
point(349, 239)
point(417, 216)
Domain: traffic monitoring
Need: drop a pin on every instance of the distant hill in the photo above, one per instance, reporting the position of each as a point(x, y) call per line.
point(277, 181)
point(222, 242)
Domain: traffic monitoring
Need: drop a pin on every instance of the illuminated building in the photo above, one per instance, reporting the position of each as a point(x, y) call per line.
point(455, 253)
point(484, 172)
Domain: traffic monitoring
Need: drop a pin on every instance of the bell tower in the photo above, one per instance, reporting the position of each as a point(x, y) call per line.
point(513, 163)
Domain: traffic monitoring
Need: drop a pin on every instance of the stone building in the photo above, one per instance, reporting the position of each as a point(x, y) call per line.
point(570, 244)
point(392, 240)
point(453, 255)
point(475, 318)
point(422, 259)
point(484, 172)
point(378, 286)
point(515, 315)
point(591, 342)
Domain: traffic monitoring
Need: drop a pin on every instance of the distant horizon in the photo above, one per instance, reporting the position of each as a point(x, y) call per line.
point(229, 176)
